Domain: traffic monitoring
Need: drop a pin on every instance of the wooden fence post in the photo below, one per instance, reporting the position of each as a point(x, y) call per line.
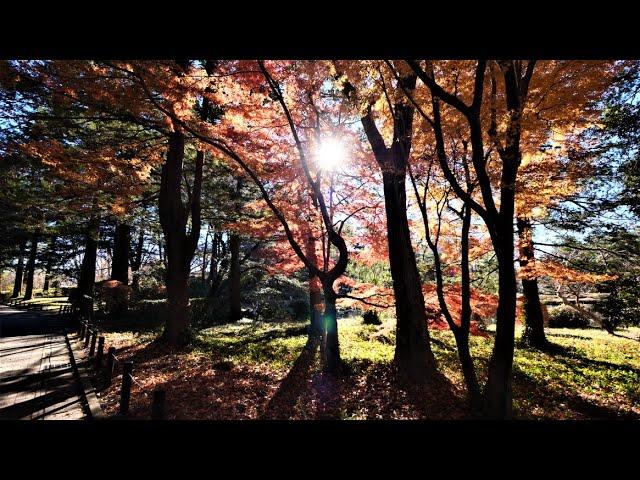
point(110, 361)
point(158, 405)
point(87, 338)
point(94, 337)
point(100, 353)
point(125, 390)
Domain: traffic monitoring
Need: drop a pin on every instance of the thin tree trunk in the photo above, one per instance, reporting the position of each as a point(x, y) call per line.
point(498, 390)
point(136, 261)
point(315, 288)
point(203, 272)
point(462, 339)
point(88, 269)
point(49, 264)
point(234, 278)
point(17, 284)
point(461, 331)
point(120, 259)
point(31, 267)
point(330, 350)
point(533, 335)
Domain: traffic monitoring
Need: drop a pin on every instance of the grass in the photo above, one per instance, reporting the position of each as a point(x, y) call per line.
point(49, 303)
point(587, 374)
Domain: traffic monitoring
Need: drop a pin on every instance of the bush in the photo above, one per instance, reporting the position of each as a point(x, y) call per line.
point(198, 287)
point(115, 296)
point(564, 316)
point(371, 317)
point(299, 308)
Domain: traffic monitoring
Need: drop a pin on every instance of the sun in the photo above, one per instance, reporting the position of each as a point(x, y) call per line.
point(331, 154)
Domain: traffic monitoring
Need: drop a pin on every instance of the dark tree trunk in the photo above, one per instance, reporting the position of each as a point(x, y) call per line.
point(498, 390)
point(120, 259)
point(330, 350)
point(533, 335)
point(462, 338)
point(413, 351)
point(413, 348)
point(136, 261)
point(47, 278)
point(49, 264)
point(315, 288)
point(234, 278)
point(461, 331)
point(17, 284)
point(88, 269)
point(31, 267)
point(180, 246)
point(213, 264)
point(203, 272)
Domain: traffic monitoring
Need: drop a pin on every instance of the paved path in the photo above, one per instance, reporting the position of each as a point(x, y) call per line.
point(37, 379)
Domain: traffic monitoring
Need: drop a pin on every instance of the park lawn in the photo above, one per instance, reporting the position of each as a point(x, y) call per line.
point(256, 370)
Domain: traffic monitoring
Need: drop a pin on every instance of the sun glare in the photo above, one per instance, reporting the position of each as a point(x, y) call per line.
point(331, 154)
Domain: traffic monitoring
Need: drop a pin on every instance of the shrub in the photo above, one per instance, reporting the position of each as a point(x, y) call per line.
point(115, 295)
point(299, 308)
point(564, 316)
point(371, 317)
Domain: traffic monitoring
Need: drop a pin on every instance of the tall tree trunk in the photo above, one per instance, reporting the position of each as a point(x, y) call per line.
point(498, 390)
point(214, 274)
point(234, 278)
point(413, 351)
point(47, 277)
point(31, 267)
point(413, 347)
point(120, 259)
point(180, 246)
point(330, 350)
point(533, 335)
point(315, 288)
point(461, 331)
point(462, 337)
point(203, 272)
point(219, 264)
point(88, 269)
point(136, 261)
point(49, 264)
point(17, 284)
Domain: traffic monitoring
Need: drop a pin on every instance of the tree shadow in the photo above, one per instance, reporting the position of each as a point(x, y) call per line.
point(282, 403)
point(568, 335)
point(437, 398)
point(571, 353)
point(327, 388)
point(577, 403)
point(624, 336)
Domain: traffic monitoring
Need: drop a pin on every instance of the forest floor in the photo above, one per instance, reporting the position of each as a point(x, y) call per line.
point(259, 370)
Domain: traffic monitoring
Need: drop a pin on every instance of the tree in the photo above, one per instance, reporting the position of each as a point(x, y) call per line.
point(510, 129)
point(121, 246)
point(413, 350)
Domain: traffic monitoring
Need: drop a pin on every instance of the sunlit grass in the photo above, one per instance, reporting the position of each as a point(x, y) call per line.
point(589, 373)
